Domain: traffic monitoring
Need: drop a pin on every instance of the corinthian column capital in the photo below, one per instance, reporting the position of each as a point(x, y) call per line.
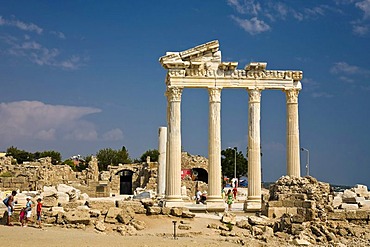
point(292, 96)
point(174, 93)
point(214, 94)
point(255, 95)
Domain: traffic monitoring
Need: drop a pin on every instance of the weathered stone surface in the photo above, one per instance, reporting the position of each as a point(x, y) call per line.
point(100, 226)
point(176, 211)
point(95, 213)
point(63, 198)
point(263, 221)
point(125, 215)
point(243, 224)
point(77, 217)
point(138, 224)
point(229, 218)
point(112, 214)
point(187, 214)
point(153, 210)
point(49, 201)
point(102, 205)
point(137, 206)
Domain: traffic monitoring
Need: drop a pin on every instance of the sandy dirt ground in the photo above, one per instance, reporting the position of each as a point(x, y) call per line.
point(158, 232)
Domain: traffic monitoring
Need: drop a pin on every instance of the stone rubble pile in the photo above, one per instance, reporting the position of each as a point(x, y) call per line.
point(352, 199)
point(66, 206)
point(293, 230)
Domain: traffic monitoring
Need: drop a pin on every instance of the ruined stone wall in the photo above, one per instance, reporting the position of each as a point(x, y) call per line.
point(189, 161)
point(33, 175)
point(303, 196)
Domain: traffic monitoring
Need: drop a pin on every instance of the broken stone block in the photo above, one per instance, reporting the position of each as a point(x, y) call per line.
point(77, 217)
point(228, 218)
point(112, 214)
point(100, 226)
point(138, 224)
point(348, 206)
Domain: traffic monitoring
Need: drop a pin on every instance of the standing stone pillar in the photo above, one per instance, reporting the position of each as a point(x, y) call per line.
point(253, 202)
point(292, 147)
point(162, 146)
point(173, 170)
point(214, 198)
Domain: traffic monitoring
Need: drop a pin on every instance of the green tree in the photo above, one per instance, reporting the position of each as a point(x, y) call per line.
point(20, 155)
point(228, 163)
point(56, 157)
point(153, 153)
point(109, 156)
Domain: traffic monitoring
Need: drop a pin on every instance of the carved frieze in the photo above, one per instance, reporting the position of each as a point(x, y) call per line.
point(238, 74)
point(174, 93)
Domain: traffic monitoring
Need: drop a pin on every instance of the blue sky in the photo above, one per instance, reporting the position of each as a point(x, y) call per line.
point(79, 76)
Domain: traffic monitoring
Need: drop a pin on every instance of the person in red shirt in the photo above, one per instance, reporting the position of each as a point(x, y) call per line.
point(38, 211)
point(235, 191)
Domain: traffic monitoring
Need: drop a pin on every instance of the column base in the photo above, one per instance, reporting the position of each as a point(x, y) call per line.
point(215, 205)
point(252, 205)
point(173, 202)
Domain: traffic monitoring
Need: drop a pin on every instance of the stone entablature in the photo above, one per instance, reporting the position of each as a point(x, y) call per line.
point(204, 68)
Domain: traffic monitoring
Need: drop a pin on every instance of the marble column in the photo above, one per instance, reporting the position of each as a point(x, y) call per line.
point(292, 147)
point(173, 166)
point(253, 202)
point(162, 146)
point(214, 198)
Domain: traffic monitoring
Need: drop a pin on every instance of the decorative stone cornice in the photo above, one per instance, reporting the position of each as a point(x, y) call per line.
point(292, 96)
point(174, 93)
point(214, 94)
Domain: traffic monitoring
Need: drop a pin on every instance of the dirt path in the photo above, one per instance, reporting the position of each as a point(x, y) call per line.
point(158, 232)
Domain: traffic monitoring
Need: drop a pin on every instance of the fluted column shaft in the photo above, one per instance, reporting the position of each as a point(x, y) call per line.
point(162, 146)
point(293, 156)
point(254, 151)
point(214, 145)
point(173, 167)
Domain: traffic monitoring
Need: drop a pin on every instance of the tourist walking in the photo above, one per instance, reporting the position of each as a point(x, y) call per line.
point(28, 210)
point(38, 211)
point(10, 205)
point(229, 199)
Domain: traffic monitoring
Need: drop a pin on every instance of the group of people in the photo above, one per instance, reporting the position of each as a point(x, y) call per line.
point(26, 213)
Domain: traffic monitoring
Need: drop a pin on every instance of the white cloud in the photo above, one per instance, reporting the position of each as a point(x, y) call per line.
point(343, 67)
point(360, 30)
point(365, 7)
point(30, 27)
point(113, 135)
point(58, 34)
point(252, 26)
point(39, 54)
point(24, 46)
point(35, 120)
point(250, 7)
point(321, 95)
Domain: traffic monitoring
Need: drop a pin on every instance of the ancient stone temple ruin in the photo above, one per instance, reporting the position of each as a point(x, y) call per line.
point(201, 67)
